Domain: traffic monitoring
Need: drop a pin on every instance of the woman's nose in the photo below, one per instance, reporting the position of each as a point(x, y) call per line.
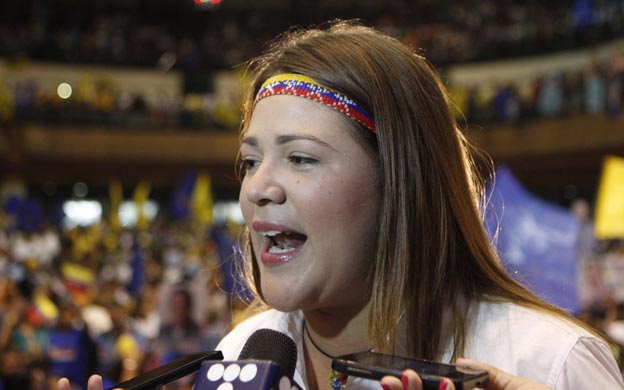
point(264, 186)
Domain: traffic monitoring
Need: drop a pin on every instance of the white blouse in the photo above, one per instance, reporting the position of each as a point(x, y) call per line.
point(513, 338)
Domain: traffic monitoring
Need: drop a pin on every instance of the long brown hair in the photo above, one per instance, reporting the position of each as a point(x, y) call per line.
point(432, 251)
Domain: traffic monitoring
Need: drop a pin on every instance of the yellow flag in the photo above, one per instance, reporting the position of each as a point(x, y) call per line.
point(78, 274)
point(45, 306)
point(609, 219)
point(115, 194)
point(141, 194)
point(201, 200)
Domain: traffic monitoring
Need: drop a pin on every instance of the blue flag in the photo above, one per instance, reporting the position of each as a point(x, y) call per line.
point(537, 241)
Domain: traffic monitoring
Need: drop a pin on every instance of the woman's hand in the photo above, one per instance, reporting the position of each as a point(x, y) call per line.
point(497, 379)
point(94, 383)
point(410, 381)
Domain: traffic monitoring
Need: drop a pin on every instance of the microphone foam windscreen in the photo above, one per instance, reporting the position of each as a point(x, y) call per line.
point(268, 344)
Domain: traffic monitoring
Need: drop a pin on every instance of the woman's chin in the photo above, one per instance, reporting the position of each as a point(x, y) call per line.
point(283, 303)
point(284, 299)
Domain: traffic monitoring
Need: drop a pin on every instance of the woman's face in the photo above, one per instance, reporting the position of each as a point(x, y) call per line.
point(310, 201)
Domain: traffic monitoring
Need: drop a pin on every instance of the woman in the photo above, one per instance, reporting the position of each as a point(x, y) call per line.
point(364, 228)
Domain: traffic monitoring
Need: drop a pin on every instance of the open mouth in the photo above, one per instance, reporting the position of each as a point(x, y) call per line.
point(283, 242)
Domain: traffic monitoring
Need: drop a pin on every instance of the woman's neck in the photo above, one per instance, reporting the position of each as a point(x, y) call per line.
point(338, 333)
point(331, 334)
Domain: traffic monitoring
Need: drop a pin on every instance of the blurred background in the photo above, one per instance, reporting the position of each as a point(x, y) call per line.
point(118, 135)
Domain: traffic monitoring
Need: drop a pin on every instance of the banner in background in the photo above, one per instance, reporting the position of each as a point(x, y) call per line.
point(537, 241)
point(609, 219)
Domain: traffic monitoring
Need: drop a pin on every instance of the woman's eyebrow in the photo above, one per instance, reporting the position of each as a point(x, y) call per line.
point(282, 139)
point(251, 141)
point(286, 138)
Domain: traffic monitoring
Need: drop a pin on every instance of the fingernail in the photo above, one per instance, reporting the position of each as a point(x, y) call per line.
point(94, 382)
point(405, 381)
point(385, 387)
point(442, 385)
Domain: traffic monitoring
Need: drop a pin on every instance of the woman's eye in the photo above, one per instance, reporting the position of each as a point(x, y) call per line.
point(301, 160)
point(247, 164)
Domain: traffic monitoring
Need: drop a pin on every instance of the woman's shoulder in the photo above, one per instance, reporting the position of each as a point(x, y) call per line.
point(511, 325)
point(535, 344)
point(233, 342)
point(509, 316)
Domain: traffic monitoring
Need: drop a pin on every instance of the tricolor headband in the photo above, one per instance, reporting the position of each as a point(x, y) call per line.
point(303, 86)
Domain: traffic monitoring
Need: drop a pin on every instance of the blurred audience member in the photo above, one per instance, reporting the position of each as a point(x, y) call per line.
point(594, 91)
point(180, 335)
point(146, 322)
point(71, 352)
point(550, 98)
point(615, 85)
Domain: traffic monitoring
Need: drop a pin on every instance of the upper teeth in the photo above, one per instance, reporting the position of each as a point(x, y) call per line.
point(270, 233)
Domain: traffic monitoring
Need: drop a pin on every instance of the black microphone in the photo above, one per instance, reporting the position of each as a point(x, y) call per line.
point(169, 372)
point(267, 361)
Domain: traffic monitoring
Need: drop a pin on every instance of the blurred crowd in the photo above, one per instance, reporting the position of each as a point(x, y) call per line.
point(95, 300)
point(459, 31)
point(206, 34)
point(600, 287)
point(201, 39)
point(75, 301)
point(119, 302)
point(596, 90)
point(601, 292)
point(103, 103)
